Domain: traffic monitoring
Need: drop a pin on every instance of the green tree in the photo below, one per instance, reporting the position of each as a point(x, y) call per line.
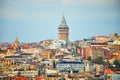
point(116, 63)
point(98, 60)
point(1, 70)
point(89, 58)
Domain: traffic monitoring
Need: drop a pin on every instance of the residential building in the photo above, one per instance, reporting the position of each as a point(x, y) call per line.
point(27, 73)
point(57, 44)
point(15, 59)
point(32, 50)
point(97, 52)
point(102, 38)
point(77, 66)
point(46, 54)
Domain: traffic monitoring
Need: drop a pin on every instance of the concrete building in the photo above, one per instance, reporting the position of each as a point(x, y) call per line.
point(27, 73)
point(32, 50)
point(46, 54)
point(15, 58)
point(77, 66)
point(57, 44)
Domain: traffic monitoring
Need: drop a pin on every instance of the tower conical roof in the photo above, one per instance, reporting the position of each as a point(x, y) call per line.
point(63, 20)
point(63, 23)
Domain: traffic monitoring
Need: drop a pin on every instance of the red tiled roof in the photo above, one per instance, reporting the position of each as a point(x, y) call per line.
point(98, 43)
point(10, 47)
point(108, 71)
point(19, 78)
point(25, 46)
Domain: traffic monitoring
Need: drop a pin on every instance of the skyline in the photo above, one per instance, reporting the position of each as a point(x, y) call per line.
point(37, 20)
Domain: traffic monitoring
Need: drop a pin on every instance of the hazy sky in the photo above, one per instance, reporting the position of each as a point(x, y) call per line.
point(36, 20)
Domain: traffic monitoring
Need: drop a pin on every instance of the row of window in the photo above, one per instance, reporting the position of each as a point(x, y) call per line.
point(71, 65)
point(76, 68)
point(29, 73)
point(63, 30)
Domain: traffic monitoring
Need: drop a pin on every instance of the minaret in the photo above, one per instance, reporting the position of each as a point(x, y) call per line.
point(63, 30)
point(16, 44)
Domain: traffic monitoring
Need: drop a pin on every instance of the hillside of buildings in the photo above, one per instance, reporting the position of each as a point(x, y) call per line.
point(61, 60)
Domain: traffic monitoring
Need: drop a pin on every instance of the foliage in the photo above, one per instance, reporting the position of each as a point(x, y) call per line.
point(1, 50)
point(1, 71)
point(116, 63)
point(89, 58)
point(98, 60)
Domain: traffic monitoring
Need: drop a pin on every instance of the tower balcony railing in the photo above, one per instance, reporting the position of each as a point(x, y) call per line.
point(63, 32)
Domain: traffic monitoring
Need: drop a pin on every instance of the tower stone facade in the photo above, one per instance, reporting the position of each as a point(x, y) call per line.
point(63, 30)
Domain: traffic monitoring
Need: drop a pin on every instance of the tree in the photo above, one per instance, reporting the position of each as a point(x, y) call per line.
point(1, 70)
point(89, 58)
point(116, 63)
point(98, 60)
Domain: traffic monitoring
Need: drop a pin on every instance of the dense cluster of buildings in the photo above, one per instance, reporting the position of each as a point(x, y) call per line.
point(89, 59)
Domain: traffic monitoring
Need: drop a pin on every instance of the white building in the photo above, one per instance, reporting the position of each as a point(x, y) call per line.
point(48, 71)
point(57, 44)
point(29, 73)
point(32, 50)
point(23, 73)
point(71, 65)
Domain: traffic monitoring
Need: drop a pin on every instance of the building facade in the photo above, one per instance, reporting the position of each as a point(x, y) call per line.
point(71, 65)
point(46, 54)
point(63, 30)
